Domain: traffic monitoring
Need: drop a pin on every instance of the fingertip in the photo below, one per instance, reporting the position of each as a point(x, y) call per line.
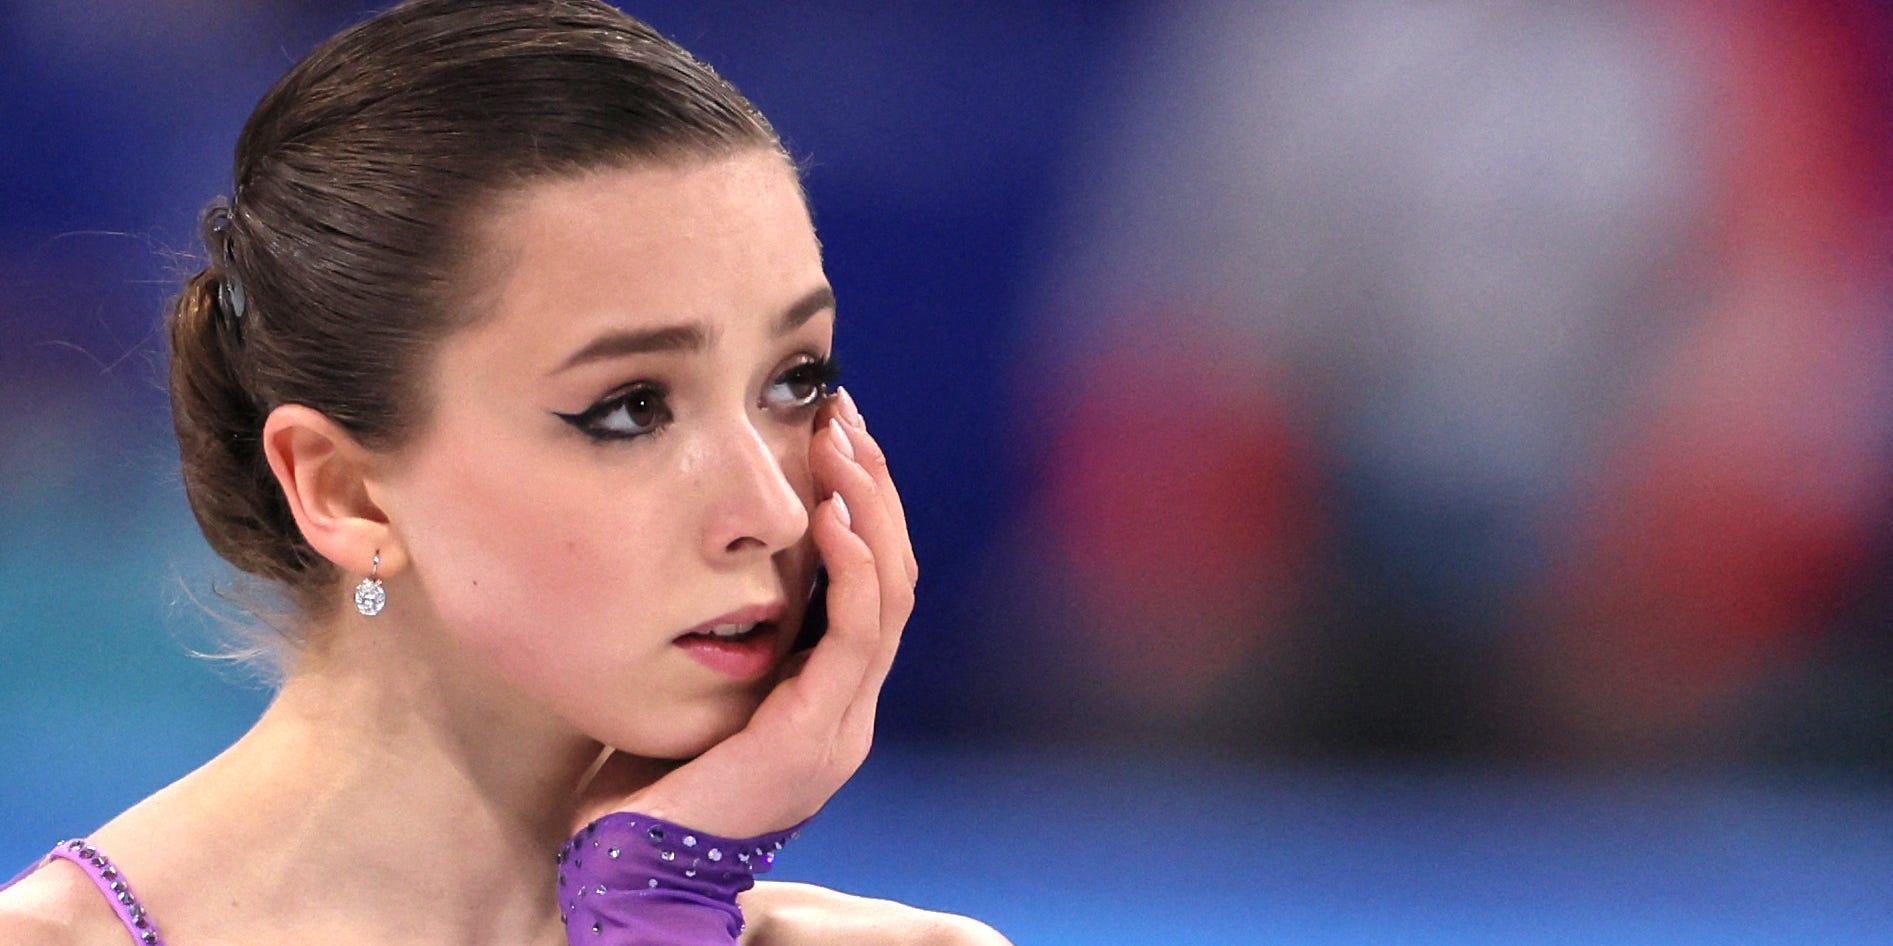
point(847, 408)
point(842, 548)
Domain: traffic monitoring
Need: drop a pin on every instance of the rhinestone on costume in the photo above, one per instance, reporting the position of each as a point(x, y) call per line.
point(370, 597)
point(690, 840)
point(667, 855)
point(692, 872)
point(597, 928)
point(612, 853)
point(657, 835)
point(601, 890)
point(652, 882)
point(714, 854)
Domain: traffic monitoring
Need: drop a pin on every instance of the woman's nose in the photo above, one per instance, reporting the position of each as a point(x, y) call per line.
point(757, 505)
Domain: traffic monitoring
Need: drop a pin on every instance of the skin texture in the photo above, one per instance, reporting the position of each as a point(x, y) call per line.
point(524, 677)
point(614, 549)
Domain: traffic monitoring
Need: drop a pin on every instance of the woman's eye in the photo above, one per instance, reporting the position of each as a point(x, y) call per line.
point(635, 413)
point(804, 384)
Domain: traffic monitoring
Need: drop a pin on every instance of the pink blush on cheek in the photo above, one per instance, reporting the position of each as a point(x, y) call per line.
point(528, 565)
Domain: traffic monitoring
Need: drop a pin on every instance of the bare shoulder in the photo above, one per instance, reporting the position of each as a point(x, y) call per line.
point(785, 914)
point(57, 905)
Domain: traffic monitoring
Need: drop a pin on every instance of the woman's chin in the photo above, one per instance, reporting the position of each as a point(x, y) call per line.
point(690, 733)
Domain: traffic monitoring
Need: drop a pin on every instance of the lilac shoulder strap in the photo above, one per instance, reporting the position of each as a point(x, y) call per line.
point(110, 882)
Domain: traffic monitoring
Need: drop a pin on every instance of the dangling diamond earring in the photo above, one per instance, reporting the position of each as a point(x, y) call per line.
point(369, 598)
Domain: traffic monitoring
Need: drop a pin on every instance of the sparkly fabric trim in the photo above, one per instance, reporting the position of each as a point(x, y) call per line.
point(112, 883)
point(649, 881)
point(629, 879)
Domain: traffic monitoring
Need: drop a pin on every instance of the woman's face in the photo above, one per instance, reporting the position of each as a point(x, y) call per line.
point(618, 453)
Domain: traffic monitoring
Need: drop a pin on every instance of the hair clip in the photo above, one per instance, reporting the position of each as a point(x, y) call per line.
point(230, 294)
point(219, 224)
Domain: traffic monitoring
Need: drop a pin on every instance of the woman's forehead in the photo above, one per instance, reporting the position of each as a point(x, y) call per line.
point(723, 244)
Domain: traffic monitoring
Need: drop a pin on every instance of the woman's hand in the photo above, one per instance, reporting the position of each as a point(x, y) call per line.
point(805, 915)
point(813, 730)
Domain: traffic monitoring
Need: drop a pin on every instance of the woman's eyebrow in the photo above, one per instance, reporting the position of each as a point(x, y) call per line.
point(819, 300)
point(690, 336)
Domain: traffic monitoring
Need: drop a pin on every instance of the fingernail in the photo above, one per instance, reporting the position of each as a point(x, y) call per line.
point(850, 411)
point(841, 510)
point(841, 437)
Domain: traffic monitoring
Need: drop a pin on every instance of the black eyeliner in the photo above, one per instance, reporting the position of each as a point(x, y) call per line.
point(825, 371)
point(609, 405)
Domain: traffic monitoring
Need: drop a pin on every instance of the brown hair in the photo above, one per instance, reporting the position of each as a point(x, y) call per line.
point(358, 182)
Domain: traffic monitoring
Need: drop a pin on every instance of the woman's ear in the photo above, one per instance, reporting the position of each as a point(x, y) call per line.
point(323, 472)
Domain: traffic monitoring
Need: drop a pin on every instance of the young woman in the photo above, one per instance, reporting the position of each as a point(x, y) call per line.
point(510, 369)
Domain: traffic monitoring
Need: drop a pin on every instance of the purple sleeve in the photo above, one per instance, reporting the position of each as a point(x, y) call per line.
point(632, 880)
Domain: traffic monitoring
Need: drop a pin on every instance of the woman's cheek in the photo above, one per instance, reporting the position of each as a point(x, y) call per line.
point(795, 467)
point(503, 560)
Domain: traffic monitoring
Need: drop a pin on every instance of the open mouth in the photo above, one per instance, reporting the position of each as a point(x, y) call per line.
point(731, 632)
point(742, 651)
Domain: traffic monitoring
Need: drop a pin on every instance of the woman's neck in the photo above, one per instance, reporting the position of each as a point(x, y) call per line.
point(390, 790)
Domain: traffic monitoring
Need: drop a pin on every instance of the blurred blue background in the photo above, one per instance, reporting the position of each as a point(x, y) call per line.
point(1384, 472)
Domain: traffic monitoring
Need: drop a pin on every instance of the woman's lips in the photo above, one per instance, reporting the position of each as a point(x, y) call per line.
point(767, 612)
point(743, 658)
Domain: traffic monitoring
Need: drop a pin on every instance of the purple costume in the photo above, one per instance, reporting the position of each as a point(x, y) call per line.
point(624, 880)
point(631, 880)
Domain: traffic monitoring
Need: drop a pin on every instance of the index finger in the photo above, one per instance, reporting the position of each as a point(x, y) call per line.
point(832, 672)
point(872, 458)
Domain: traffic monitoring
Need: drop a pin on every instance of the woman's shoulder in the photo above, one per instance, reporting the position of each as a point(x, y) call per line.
point(57, 905)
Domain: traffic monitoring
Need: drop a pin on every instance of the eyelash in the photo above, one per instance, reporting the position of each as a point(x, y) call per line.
point(820, 373)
